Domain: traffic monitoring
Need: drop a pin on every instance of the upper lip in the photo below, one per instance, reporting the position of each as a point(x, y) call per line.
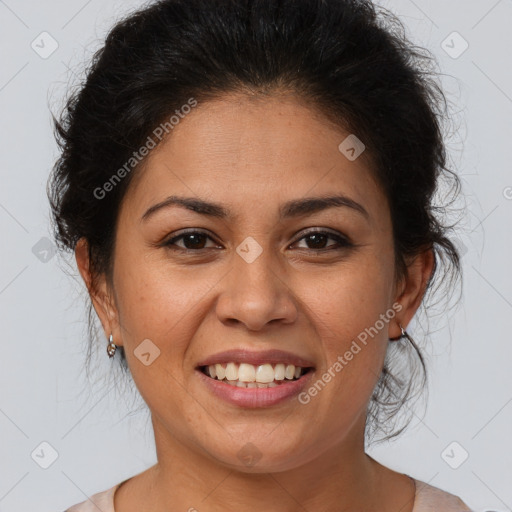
point(256, 358)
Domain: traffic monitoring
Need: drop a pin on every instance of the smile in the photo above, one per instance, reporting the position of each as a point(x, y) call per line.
point(246, 385)
point(247, 375)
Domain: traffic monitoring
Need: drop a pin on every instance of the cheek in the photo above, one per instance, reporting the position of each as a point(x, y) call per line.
point(160, 302)
point(162, 305)
point(348, 311)
point(351, 298)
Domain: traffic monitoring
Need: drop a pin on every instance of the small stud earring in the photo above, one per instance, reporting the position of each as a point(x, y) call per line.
point(111, 347)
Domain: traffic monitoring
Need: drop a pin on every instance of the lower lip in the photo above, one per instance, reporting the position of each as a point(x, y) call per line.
point(256, 397)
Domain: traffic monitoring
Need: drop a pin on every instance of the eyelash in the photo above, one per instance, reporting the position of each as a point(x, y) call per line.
point(343, 242)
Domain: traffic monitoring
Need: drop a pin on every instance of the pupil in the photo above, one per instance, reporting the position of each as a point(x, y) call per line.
point(196, 240)
point(317, 236)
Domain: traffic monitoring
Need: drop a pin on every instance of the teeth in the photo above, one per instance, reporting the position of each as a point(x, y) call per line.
point(279, 371)
point(231, 371)
point(264, 373)
point(248, 375)
point(220, 371)
point(289, 372)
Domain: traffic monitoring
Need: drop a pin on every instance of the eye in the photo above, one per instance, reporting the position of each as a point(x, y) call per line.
point(193, 240)
point(318, 239)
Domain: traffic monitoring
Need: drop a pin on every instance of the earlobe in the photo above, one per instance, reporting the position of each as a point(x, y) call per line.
point(97, 289)
point(402, 334)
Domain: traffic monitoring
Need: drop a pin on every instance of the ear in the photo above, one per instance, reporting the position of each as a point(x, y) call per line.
point(102, 299)
point(412, 289)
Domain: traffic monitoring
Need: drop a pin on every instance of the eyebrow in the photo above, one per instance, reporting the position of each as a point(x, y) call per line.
point(290, 209)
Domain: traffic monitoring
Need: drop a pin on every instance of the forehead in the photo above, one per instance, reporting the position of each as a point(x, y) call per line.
point(253, 152)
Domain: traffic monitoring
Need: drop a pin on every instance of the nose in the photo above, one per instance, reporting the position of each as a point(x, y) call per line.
point(255, 294)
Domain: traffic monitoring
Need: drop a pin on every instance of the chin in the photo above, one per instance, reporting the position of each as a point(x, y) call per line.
point(261, 456)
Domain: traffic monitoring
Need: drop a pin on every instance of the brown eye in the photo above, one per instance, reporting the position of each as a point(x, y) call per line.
point(192, 240)
point(317, 240)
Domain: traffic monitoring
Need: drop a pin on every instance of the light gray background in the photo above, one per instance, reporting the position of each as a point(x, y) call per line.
point(45, 395)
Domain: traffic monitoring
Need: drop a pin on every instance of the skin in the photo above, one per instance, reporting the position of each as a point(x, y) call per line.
point(252, 156)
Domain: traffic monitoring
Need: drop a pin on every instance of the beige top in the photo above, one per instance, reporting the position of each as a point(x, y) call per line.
point(427, 499)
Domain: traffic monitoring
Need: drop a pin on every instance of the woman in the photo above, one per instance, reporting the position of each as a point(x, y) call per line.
point(247, 186)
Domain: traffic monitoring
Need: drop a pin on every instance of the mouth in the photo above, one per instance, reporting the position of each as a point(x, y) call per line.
point(250, 379)
point(244, 375)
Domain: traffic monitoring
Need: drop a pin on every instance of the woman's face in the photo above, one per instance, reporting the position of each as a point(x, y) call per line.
point(255, 279)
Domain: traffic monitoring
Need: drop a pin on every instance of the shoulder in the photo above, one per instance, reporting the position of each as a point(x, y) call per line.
point(432, 499)
point(103, 501)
